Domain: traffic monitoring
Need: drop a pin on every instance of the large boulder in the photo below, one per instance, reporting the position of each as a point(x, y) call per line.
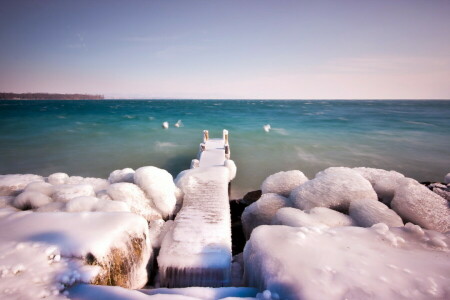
point(368, 212)
point(283, 183)
point(58, 178)
point(334, 188)
point(417, 204)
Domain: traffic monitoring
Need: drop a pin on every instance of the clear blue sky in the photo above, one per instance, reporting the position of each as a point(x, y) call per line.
point(227, 49)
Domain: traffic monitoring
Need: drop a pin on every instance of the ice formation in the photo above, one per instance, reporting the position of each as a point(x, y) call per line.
point(135, 198)
point(97, 184)
point(116, 242)
point(231, 168)
point(158, 185)
point(384, 182)
point(41, 187)
point(65, 192)
point(316, 217)
point(13, 184)
point(349, 262)
point(334, 188)
point(58, 178)
point(124, 175)
point(197, 249)
point(30, 200)
point(262, 211)
point(368, 212)
point(416, 203)
point(205, 293)
point(283, 183)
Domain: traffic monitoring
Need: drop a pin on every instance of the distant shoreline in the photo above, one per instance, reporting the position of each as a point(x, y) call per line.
point(49, 96)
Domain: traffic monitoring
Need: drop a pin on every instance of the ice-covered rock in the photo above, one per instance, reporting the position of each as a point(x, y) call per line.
point(231, 168)
point(316, 217)
point(157, 230)
point(6, 201)
point(416, 203)
point(31, 200)
point(368, 212)
point(262, 211)
point(41, 187)
point(124, 175)
point(80, 204)
point(334, 188)
point(65, 192)
point(13, 184)
point(104, 205)
point(447, 179)
point(97, 184)
point(383, 182)
point(117, 243)
point(283, 183)
point(348, 262)
point(52, 207)
point(58, 178)
point(135, 198)
point(103, 194)
point(159, 187)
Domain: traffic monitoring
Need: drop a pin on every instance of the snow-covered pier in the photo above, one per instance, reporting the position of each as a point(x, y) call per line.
point(197, 249)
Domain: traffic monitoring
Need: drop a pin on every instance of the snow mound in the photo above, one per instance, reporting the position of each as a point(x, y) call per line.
point(65, 192)
point(416, 203)
point(383, 182)
point(31, 200)
point(97, 184)
point(13, 184)
point(58, 178)
point(262, 211)
point(334, 188)
point(117, 243)
point(159, 187)
point(316, 217)
point(135, 198)
point(368, 212)
point(124, 175)
point(283, 183)
point(231, 168)
point(41, 187)
point(345, 262)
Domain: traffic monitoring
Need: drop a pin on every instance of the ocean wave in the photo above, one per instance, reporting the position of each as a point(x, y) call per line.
point(419, 123)
point(129, 116)
point(165, 144)
point(281, 131)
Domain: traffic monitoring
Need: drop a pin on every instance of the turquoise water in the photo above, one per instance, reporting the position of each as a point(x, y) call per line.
point(93, 138)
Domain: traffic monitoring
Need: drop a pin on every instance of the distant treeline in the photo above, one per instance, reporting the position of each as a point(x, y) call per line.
point(47, 96)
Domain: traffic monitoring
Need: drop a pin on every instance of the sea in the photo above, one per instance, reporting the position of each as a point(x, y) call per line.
point(92, 138)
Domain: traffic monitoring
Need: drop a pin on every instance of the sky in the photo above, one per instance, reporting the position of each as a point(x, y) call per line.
point(246, 49)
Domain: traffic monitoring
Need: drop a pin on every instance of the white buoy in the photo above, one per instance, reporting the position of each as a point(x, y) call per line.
point(165, 125)
point(178, 124)
point(267, 127)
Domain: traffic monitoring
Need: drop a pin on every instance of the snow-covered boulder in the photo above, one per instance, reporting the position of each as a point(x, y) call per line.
point(124, 175)
point(31, 200)
point(417, 204)
point(447, 179)
point(104, 205)
point(321, 217)
point(13, 184)
point(58, 178)
point(231, 168)
point(159, 187)
point(348, 262)
point(80, 204)
point(368, 212)
point(40, 187)
point(65, 192)
point(334, 188)
point(52, 207)
point(135, 198)
point(383, 182)
point(283, 183)
point(262, 211)
point(97, 184)
point(115, 244)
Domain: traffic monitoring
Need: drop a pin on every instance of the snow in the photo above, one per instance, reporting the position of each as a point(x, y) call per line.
point(214, 154)
point(447, 178)
point(106, 237)
point(316, 217)
point(58, 178)
point(65, 192)
point(262, 211)
point(416, 203)
point(124, 175)
point(135, 198)
point(334, 188)
point(205, 293)
point(283, 183)
point(368, 212)
point(197, 249)
point(349, 262)
point(158, 185)
point(384, 182)
point(13, 184)
point(31, 199)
